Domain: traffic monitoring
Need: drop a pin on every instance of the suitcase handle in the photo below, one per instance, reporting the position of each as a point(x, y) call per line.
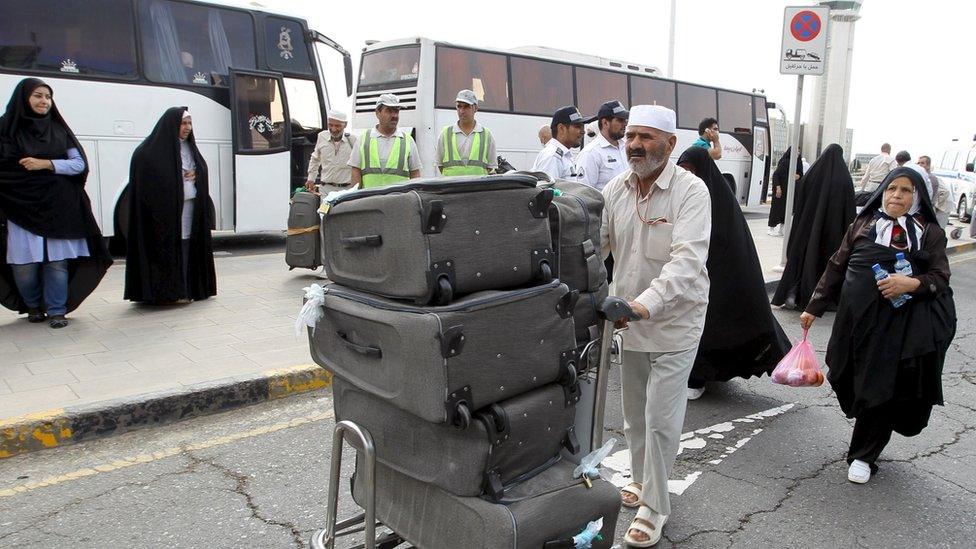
point(370, 241)
point(373, 352)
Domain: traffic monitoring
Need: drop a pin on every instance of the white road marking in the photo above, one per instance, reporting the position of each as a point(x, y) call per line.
point(618, 463)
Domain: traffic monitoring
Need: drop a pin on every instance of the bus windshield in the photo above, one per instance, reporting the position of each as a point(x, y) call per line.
point(393, 67)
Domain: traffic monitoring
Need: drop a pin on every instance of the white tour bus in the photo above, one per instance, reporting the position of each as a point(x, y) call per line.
point(519, 89)
point(252, 80)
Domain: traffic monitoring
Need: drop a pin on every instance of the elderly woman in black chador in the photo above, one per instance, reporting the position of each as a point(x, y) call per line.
point(824, 209)
point(886, 361)
point(741, 337)
point(170, 256)
point(52, 249)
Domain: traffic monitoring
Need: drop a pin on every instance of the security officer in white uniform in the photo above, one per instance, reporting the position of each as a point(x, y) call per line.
point(555, 158)
point(605, 156)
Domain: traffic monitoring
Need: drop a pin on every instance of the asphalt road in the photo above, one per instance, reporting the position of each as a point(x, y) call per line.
point(764, 469)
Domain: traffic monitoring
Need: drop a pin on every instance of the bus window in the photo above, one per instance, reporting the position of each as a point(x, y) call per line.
point(540, 87)
point(68, 37)
point(303, 103)
point(484, 73)
point(759, 104)
point(595, 87)
point(286, 49)
point(260, 124)
point(194, 44)
point(696, 103)
point(734, 111)
point(390, 68)
point(649, 91)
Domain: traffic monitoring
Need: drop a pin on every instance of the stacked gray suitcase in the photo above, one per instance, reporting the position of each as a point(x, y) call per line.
point(455, 347)
point(303, 248)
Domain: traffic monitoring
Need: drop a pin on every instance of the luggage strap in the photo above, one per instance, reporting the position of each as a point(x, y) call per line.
point(293, 232)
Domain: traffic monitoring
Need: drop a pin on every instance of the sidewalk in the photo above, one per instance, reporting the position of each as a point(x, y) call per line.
point(120, 366)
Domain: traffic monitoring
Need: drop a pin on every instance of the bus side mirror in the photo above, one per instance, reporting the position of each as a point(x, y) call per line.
point(347, 65)
point(969, 167)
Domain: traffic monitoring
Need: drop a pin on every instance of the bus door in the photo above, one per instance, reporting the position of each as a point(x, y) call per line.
point(758, 170)
point(262, 150)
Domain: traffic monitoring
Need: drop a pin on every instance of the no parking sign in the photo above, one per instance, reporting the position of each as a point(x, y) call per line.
point(804, 48)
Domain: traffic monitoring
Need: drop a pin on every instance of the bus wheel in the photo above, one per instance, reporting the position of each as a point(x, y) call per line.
point(117, 243)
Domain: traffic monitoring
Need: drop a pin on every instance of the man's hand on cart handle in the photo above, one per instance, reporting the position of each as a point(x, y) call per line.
point(637, 308)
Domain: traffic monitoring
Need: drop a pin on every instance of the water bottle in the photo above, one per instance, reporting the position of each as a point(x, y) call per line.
point(903, 267)
point(881, 274)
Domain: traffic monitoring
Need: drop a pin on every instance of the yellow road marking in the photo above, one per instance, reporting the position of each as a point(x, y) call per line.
point(162, 454)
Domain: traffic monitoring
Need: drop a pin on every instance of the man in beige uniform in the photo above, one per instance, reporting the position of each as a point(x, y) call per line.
point(331, 155)
point(656, 221)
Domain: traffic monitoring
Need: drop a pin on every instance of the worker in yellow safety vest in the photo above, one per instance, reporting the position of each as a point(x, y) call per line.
point(467, 147)
point(385, 154)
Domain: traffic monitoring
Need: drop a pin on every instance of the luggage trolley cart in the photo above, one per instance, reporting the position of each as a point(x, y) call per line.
point(592, 405)
point(593, 382)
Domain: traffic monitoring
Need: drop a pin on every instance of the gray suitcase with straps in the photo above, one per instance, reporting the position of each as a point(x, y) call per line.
point(504, 445)
point(444, 363)
point(544, 512)
point(576, 219)
point(303, 245)
point(430, 241)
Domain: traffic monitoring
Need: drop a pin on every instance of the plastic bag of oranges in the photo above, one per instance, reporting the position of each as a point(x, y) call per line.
point(799, 368)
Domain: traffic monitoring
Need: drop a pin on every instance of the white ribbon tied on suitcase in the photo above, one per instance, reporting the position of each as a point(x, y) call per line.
point(311, 311)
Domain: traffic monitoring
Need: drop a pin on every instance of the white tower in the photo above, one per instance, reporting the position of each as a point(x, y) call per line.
point(828, 114)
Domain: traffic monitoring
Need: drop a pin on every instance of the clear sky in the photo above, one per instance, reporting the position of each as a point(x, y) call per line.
point(910, 84)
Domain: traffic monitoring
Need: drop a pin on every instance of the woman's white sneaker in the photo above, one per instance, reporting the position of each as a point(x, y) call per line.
point(859, 472)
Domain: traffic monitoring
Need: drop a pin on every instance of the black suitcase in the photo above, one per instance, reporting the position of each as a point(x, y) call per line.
point(505, 444)
point(542, 513)
point(585, 318)
point(303, 244)
point(432, 240)
point(575, 220)
point(443, 363)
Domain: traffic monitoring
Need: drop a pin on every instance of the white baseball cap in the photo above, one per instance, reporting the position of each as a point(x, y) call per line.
point(338, 116)
point(389, 100)
point(467, 96)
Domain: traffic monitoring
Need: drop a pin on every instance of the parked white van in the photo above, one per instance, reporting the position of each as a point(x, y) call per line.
point(955, 168)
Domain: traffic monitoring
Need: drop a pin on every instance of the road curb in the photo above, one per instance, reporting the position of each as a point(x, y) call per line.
point(65, 426)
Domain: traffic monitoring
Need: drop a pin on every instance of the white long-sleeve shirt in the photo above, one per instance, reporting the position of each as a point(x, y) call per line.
point(661, 266)
point(555, 160)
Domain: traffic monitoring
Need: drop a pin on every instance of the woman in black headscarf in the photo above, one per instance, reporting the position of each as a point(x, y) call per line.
point(53, 251)
point(170, 256)
point(824, 209)
point(886, 361)
point(741, 336)
point(777, 209)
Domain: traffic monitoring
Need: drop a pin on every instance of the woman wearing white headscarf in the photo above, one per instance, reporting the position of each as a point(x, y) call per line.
point(886, 361)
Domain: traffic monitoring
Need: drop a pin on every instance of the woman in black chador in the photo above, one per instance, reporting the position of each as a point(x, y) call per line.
point(741, 337)
point(51, 252)
point(777, 209)
point(824, 210)
point(170, 257)
point(886, 361)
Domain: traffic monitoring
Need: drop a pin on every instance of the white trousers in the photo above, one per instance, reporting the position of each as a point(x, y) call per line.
point(654, 395)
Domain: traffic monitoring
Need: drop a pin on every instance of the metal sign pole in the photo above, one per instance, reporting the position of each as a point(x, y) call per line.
point(794, 158)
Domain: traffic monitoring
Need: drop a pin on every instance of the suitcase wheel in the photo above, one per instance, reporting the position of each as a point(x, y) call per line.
point(545, 271)
point(444, 292)
point(462, 416)
point(570, 375)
